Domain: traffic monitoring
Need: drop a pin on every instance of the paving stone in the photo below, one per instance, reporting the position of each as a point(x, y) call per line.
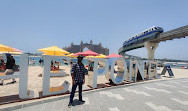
point(86, 108)
point(38, 107)
point(58, 105)
point(131, 101)
point(27, 109)
point(48, 106)
point(18, 110)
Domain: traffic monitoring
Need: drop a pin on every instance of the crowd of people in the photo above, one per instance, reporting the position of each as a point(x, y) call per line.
point(32, 62)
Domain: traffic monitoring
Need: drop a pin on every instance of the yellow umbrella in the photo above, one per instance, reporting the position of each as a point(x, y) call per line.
point(54, 50)
point(57, 54)
point(71, 55)
point(88, 57)
point(15, 53)
point(100, 56)
point(11, 52)
point(5, 48)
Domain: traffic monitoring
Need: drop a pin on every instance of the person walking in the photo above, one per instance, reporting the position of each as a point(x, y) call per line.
point(40, 61)
point(78, 79)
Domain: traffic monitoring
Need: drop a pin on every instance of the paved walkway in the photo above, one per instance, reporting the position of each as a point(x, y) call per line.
point(171, 95)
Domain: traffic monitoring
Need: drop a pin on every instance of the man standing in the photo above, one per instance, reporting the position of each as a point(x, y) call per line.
point(9, 67)
point(78, 79)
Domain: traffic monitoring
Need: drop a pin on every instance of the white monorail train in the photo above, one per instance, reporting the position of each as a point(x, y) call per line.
point(148, 34)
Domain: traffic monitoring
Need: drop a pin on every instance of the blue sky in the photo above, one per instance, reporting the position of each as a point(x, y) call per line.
point(29, 25)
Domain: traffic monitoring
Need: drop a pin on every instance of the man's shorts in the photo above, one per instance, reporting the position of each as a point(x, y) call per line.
point(9, 72)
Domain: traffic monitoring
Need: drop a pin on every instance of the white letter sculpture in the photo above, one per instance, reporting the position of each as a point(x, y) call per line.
point(24, 93)
point(140, 66)
point(149, 69)
point(93, 77)
point(130, 70)
point(119, 78)
point(47, 75)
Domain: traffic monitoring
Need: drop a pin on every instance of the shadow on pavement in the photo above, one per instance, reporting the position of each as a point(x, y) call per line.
point(77, 102)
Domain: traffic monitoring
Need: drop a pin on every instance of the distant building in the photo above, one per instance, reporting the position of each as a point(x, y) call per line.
point(93, 47)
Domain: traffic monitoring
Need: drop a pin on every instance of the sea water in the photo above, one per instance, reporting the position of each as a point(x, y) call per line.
point(37, 58)
point(84, 61)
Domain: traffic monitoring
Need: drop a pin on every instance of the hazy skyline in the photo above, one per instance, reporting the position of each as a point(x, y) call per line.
point(31, 25)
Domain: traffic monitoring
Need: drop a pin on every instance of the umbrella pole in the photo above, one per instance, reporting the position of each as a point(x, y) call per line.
point(53, 62)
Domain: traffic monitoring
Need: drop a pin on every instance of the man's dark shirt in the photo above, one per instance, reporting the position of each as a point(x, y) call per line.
point(10, 63)
point(78, 72)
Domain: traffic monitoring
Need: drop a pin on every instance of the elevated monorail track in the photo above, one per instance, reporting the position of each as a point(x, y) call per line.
point(152, 44)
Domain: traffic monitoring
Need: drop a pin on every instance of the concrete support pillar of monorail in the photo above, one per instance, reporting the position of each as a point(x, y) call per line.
point(151, 47)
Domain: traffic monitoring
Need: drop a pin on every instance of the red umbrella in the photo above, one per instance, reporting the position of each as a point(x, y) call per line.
point(89, 53)
point(113, 55)
point(77, 54)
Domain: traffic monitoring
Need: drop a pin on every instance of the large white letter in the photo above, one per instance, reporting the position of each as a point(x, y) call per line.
point(93, 77)
point(154, 74)
point(130, 70)
point(119, 78)
point(24, 93)
point(140, 66)
point(47, 75)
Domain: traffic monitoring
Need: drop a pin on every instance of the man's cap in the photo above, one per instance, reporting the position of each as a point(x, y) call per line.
point(80, 56)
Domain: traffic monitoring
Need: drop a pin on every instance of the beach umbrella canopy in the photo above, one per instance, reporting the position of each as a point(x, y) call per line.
point(16, 50)
point(100, 56)
point(77, 54)
point(89, 53)
point(54, 50)
point(5, 48)
point(12, 52)
point(57, 54)
point(113, 55)
point(88, 57)
point(71, 55)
